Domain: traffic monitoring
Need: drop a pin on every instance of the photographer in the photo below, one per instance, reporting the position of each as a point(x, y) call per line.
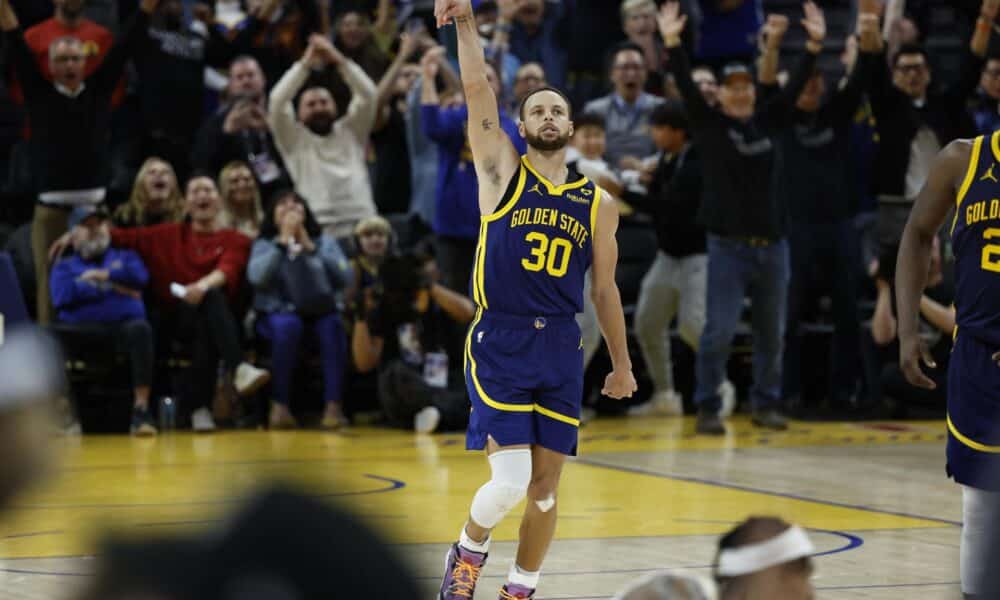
point(413, 333)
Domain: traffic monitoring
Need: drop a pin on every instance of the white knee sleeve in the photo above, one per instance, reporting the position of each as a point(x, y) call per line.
point(508, 486)
point(980, 514)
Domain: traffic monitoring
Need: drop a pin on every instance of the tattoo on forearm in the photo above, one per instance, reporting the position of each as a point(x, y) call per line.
point(487, 124)
point(461, 19)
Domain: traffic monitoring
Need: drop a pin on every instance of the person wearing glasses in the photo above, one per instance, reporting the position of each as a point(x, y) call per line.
point(915, 122)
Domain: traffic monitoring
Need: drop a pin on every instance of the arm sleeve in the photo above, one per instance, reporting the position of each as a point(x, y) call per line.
point(234, 260)
point(265, 256)
point(133, 272)
point(360, 117)
point(66, 290)
point(968, 80)
point(679, 65)
point(335, 262)
point(443, 126)
point(24, 64)
point(847, 100)
point(281, 112)
point(107, 76)
point(779, 105)
point(881, 92)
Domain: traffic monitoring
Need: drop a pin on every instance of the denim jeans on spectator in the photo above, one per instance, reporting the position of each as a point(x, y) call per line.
point(285, 331)
point(830, 251)
point(737, 268)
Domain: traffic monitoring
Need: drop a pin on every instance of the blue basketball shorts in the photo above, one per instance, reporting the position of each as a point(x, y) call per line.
point(974, 414)
point(525, 379)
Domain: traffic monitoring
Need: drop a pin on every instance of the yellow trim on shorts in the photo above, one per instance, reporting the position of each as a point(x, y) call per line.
point(554, 190)
point(505, 406)
point(970, 442)
point(970, 171)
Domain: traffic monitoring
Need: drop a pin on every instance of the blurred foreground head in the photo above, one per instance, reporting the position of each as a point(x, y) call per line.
point(764, 558)
point(281, 546)
point(31, 379)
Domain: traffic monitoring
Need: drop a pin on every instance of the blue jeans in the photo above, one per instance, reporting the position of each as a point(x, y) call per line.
point(285, 330)
point(736, 269)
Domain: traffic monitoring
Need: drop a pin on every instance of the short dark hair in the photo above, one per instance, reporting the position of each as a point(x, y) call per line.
point(200, 174)
point(618, 49)
point(270, 229)
point(569, 105)
point(670, 114)
point(590, 119)
point(907, 49)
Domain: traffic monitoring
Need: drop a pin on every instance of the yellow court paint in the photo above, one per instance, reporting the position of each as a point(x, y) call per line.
point(418, 488)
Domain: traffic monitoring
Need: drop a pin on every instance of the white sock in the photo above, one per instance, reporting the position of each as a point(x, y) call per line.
point(519, 576)
point(470, 544)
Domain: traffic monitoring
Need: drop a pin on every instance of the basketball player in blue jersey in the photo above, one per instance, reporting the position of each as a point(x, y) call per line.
point(963, 177)
point(542, 228)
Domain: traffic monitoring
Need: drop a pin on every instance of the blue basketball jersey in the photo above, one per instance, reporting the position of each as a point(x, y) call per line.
point(976, 243)
point(534, 251)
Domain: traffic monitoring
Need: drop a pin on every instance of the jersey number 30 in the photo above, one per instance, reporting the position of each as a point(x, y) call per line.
point(991, 252)
point(549, 254)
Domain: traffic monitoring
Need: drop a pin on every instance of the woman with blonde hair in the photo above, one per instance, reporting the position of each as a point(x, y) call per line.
point(242, 208)
point(156, 197)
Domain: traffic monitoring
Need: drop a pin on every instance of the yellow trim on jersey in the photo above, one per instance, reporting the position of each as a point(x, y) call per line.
point(970, 442)
point(970, 172)
point(470, 364)
point(593, 210)
point(521, 177)
point(554, 190)
point(475, 267)
point(995, 144)
point(480, 267)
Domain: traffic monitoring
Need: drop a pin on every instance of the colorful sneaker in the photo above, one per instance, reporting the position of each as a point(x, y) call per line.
point(462, 568)
point(512, 591)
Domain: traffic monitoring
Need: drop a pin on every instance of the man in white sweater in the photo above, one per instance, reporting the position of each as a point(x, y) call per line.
point(326, 156)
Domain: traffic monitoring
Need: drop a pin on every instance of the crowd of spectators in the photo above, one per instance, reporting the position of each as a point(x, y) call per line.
point(253, 187)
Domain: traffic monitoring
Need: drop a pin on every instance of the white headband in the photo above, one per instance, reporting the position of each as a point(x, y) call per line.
point(792, 544)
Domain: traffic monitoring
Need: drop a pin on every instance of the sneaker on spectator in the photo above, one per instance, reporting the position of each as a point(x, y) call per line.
point(281, 418)
point(202, 421)
point(142, 423)
point(770, 419)
point(664, 403)
point(333, 418)
point(727, 392)
point(427, 420)
point(709, 424)
point(587, 414)
point(248, 379)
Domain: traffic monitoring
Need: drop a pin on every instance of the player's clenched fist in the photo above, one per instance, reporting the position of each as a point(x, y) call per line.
point(619, 384)
point(446, 10)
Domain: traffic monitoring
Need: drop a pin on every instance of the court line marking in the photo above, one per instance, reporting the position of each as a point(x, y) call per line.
point(394, 484)
point(745, 488)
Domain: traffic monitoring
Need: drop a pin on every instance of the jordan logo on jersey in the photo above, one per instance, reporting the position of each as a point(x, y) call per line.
point(989, 174)
point(536, 188)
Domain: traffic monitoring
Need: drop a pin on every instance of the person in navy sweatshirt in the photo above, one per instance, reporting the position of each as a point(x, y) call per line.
point(102, 286)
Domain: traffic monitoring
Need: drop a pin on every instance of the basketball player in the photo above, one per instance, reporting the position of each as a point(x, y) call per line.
point(964, 177)
point(542, 228)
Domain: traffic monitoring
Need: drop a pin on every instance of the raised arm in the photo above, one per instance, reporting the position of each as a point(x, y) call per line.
point(281, 109)
point(952, 169)
point(408, 45)
point(671, 24)
point(360, 114)
point(772, 33)
point(112, 68)
point(494, 155)
point(984, 27)
point(845, 101)
point(607, 300)
point(20, 55)
point(776, 109)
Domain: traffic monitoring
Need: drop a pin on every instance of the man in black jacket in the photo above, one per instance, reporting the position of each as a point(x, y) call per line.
point(825, 253)
point(675, 284)
point(914, 123)
point(71, 121)
point(239, 131)
point(745, 218)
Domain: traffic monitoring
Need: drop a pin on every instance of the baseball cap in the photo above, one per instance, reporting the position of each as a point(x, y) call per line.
point(735, 69)
point(82, 213)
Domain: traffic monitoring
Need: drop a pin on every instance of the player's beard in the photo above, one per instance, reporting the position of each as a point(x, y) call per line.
point(542, 145)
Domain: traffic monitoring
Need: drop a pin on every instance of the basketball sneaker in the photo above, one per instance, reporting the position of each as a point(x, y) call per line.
point(512, 591)
point(461, 572)
point(664, 403)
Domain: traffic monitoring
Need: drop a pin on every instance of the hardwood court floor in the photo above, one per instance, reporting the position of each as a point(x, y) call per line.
point(644, 495)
